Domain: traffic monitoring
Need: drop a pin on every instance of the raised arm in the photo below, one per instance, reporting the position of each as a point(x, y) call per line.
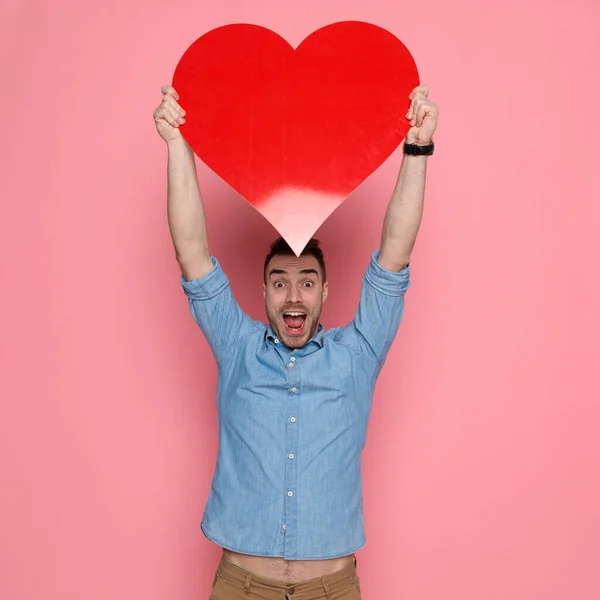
point(185, 211)
point(404, 212)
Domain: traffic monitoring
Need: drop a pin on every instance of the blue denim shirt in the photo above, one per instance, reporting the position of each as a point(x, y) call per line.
point(293, 423)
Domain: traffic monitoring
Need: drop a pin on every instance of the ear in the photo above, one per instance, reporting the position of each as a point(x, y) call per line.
point(264, 290)
point(325, 290)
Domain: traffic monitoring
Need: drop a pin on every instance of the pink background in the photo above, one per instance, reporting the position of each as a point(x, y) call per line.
point(481, 467)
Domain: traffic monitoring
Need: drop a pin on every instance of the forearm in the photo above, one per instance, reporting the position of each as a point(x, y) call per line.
point(404, 213)
point(187, 222)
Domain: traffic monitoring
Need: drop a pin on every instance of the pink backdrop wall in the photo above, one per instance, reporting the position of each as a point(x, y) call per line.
point(482, 462)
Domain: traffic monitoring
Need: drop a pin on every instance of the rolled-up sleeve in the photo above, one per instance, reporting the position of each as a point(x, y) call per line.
point(387, 282)
point(379, 312)
point(216, 311)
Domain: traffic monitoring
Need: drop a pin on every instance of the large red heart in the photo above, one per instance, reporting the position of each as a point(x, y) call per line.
point(295, 131)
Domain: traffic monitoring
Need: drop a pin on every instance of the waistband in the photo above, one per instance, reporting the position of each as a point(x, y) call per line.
point(246, 580)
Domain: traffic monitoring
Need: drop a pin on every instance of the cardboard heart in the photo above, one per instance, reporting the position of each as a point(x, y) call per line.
point(295, 131)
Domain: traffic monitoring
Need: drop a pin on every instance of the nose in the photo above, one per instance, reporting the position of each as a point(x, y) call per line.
point(294, 295)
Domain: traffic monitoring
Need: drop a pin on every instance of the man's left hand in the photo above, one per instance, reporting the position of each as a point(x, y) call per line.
point(423, 116)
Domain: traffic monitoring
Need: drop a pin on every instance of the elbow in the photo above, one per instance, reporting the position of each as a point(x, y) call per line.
point(194, 263)
point(190, 251)
point(393, 260)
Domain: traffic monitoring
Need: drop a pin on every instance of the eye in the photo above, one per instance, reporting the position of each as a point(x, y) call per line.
point(279, 284)
point(308, 284)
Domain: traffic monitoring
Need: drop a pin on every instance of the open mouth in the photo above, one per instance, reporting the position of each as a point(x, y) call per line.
point(294, 322)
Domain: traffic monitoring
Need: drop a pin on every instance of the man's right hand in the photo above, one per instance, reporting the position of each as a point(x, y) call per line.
point(168, 116)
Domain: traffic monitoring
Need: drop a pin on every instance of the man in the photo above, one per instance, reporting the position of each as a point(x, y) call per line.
point(293, 399)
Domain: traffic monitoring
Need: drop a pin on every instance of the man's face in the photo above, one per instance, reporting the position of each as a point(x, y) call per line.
point(294, 294)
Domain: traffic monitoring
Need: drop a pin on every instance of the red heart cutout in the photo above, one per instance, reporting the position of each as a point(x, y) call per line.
point(295, 131)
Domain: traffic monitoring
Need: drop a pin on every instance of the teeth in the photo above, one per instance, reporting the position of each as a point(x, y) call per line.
point(294, 314)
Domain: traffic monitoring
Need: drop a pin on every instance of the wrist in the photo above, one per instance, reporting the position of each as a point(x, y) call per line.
point(413, 141)
point(178, 144)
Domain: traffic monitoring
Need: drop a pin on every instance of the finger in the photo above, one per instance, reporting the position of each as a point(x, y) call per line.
point(170, 101)
point(417, 97)
point(163, 113)
point(420, 89)
point(168, 89)
point(416, 103)
point(417, 116)
point(173, 112)
point(411, 110)
point(424, 109)
point(431, 109)
point(172, 108)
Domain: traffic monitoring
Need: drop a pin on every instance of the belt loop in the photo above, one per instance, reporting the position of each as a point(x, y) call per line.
point(326, 587)
point(247, 584)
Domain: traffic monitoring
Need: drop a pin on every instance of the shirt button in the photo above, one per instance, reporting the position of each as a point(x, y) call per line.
point(291, 365)
point(293, 358)
point(284, 526)
point(276, 341)
point(290, 493)
point(291, 455)
point(293, 419)
point(294, 390)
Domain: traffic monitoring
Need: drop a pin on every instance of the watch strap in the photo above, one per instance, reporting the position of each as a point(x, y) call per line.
point(416, 150)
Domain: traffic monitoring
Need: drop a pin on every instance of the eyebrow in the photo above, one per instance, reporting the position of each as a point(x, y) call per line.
point(303, 271)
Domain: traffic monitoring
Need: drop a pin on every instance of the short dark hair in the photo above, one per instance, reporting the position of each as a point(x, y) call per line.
point(313, 248)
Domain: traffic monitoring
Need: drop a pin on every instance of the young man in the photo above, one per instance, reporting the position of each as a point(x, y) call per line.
point(293, 399)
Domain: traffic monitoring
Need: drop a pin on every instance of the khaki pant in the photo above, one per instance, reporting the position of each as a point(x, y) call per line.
point(234, 583)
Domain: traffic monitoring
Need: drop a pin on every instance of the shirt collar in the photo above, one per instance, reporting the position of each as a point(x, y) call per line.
point(318, 338)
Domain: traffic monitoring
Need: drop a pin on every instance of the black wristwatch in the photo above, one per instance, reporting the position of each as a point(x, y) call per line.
point(416, 150)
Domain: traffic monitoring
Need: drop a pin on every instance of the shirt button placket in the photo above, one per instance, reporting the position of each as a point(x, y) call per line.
point(290, 489)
